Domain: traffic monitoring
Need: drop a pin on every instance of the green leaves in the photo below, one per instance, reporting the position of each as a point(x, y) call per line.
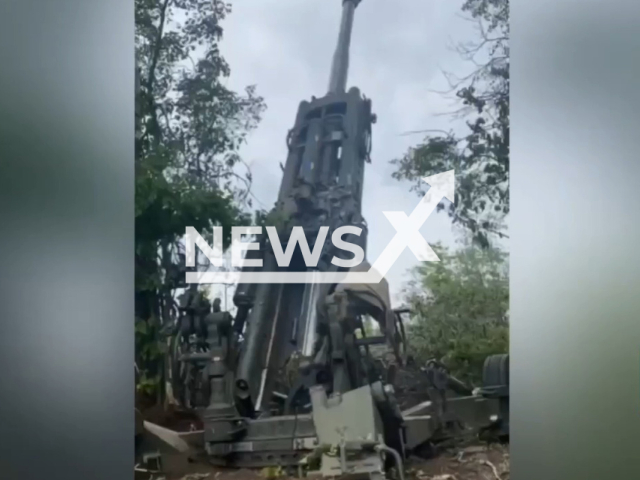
point(148, 385)
point(189, 129)
point(192, 125)
point(460, 307)
point(480, 157)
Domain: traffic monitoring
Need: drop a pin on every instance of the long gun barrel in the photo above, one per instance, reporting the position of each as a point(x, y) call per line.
point(322, 182)
point(340, 65)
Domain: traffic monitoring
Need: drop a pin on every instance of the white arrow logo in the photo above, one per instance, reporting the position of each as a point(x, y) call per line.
point(408, 228)
point(407, 234)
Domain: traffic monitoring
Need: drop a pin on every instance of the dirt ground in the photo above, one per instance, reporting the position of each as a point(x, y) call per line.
point(469, 463)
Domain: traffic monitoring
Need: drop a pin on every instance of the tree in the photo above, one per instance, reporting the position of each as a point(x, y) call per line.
point(460, 309)
point(480, 157)
point(190, 127)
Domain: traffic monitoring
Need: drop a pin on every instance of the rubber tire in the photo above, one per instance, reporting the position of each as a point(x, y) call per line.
point(495, 372)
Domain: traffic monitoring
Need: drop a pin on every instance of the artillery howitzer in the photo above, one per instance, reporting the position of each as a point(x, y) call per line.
point(289, 380)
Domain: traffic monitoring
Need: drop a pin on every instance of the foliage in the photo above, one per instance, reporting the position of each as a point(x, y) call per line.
point(460, 309)
point(480, 157)
point(189, 129)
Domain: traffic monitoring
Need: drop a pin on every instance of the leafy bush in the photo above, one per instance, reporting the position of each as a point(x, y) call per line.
point(189, 131)
point(480, 155)
point(460, 309)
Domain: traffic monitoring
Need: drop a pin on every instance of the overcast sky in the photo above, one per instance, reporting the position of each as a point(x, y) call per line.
point(398, 50)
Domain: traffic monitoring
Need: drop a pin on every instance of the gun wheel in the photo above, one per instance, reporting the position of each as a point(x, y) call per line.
point(496, 370)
